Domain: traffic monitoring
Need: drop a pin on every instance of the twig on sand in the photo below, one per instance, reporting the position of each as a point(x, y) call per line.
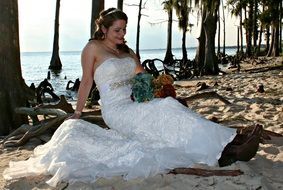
point(210, 94)
point(205, 172)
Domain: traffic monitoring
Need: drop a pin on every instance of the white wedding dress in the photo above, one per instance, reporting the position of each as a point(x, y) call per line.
point(144, 139)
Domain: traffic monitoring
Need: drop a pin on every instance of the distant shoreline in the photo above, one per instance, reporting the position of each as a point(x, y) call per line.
point(155, 49)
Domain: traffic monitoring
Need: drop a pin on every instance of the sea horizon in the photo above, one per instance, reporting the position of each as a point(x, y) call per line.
point(144, 49)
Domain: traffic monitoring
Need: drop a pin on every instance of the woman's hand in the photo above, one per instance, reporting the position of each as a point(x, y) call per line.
point(75, 115)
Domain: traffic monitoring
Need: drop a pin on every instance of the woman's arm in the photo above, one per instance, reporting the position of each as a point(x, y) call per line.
point(87, 61)
point(139, 68)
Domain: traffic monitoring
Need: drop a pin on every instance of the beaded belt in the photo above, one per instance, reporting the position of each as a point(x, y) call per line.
point(106, 87)
point(119, 84)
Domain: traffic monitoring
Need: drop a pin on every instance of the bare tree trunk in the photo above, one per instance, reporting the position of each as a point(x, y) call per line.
point(260, 35)
point(120, 4)
point(224, 29)
point(138, 31)
point(267, 37)
point(241, 31)
point(13, 91)
point(200, 52)
point(97, 7)
point(55, 63)
point(274, 48)
point(259, 41)
point(218, 38)
point(280, 26)
point(238, 39)
point(210, 61)
point(249, 30)
point(169, 56)
point(255, 28)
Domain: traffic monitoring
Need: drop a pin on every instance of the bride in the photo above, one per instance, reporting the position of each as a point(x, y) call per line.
point(144, 139)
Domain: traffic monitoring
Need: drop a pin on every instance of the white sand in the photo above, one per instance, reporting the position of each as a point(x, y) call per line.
point(248, 108)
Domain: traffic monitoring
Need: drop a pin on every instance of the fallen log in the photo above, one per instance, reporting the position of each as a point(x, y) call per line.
point(40, 111)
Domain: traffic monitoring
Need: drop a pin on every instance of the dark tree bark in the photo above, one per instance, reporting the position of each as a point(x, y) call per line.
point(238, 39)
point(249, 29)
point(267, 37)
point(138, 31)
point(184, 49)
point(274, 47)
point(200, 52)
point(169, 56)
point(259, 40)
point(241, 32)
point(13, 91)
point(280, 26)
point(210, 61)
point(218, 36)
point(55, 63)
point(255, 25)
point(224, 29)
point(120, 4)
point(97, 7)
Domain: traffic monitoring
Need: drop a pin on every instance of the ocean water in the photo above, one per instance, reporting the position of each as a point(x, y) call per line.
point(35, 65)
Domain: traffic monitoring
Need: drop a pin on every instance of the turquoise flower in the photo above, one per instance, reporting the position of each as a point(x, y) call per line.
point(142, 89)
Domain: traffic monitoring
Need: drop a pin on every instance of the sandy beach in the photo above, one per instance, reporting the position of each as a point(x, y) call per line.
point(248, 107)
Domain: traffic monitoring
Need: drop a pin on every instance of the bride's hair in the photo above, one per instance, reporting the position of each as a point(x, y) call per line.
point(106, 19)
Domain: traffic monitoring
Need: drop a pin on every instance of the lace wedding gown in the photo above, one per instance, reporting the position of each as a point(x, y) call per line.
point(144, 139)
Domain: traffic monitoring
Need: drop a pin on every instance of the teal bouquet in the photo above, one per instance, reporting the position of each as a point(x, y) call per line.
point(143, 89)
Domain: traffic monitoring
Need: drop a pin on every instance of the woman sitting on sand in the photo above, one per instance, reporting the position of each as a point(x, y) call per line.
point(144, 139)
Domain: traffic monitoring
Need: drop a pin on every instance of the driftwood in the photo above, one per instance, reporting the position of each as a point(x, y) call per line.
point(40, 111)
point(62, 105)
point(32, 131)
point(205, 172)
point(264, 69)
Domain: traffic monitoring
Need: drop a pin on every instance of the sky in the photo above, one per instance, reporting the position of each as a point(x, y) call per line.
point(36, 25)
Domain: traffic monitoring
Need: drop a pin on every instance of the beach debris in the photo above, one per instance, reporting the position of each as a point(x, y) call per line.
point(75, 86)
point(45, 87)
point(260, 88)
point(202, 86)
point(61, 105)
point(48, 75)
point(266, 134)
point(228, 88)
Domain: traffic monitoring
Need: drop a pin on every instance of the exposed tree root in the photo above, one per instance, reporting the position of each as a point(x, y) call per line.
point(266, 134)
point(34, 131)
point(62, 105)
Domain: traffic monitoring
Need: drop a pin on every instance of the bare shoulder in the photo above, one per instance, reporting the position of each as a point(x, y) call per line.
point(92, 45)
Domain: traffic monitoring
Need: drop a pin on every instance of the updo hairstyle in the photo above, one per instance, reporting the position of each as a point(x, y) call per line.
point(106, 19)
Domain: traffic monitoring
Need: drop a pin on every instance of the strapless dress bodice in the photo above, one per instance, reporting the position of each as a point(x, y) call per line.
point(113, 79)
